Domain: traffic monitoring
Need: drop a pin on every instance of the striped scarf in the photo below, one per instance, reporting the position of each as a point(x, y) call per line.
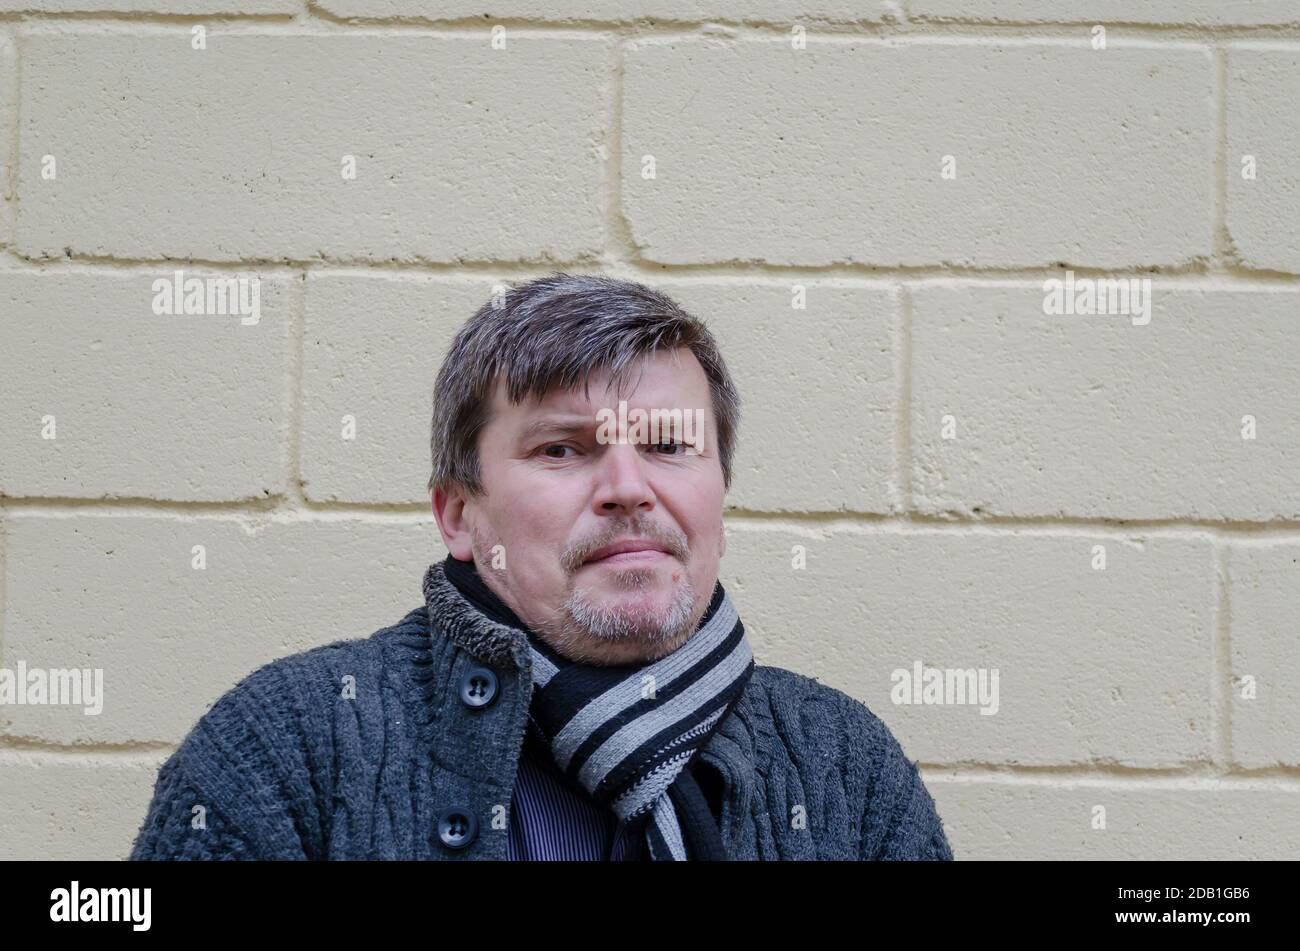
point(626, 733)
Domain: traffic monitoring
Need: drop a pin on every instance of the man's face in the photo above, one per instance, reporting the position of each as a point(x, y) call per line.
point(556, 496)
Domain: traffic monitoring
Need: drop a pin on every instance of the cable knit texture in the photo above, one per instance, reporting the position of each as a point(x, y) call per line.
point(356, 749)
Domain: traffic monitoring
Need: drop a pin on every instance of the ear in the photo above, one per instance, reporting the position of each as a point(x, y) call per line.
point(449, 510)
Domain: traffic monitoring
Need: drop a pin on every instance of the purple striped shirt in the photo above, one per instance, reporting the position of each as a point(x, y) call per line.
point(553, 820)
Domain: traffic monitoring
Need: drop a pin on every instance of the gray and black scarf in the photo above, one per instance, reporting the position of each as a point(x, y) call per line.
point(626, 733)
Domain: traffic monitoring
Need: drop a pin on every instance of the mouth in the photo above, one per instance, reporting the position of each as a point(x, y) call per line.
point(645, 557)
point(626, 553)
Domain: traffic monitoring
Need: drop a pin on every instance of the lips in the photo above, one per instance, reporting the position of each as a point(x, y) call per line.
point(642, 547)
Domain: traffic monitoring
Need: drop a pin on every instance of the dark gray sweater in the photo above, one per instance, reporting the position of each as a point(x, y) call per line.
point(375, 748)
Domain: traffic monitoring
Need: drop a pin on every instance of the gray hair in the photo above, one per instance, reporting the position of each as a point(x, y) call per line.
point(555, 332)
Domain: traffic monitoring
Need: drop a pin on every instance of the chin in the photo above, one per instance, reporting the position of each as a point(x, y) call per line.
point(647, 616)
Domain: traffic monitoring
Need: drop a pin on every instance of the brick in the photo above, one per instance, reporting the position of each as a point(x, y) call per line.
point(1053, 820)
point(371, 350)
point(1263, 214)
point(183, 407)
point(1094, 667)
point(834, 155)
point(1196, 12)
point(370, 369)
point(1093, 416)
point(118, 593)
point(817, 388)
point(1263, 605)
point(236, 152)
point(73, 808)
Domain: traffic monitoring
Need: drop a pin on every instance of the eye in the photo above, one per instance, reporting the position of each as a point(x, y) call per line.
point(555, 445)
point(670, 444)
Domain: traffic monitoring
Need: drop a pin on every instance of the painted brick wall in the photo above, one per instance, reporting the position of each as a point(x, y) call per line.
point(865, 200)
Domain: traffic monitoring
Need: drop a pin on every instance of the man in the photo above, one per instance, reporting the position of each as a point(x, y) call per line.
point(578, 684)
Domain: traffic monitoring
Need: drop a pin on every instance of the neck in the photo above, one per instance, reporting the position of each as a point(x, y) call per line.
point(464, 575)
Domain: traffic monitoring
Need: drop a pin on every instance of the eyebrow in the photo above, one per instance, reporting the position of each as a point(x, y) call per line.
point(557, 425)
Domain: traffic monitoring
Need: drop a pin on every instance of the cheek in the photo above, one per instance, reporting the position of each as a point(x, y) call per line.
point(707, 540)
point(703, 518)
point(539, 525)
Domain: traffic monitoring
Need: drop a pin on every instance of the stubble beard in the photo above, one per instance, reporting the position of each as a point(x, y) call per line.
point(616, 623)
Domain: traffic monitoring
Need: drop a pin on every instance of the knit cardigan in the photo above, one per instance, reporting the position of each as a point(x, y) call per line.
point(361, 748)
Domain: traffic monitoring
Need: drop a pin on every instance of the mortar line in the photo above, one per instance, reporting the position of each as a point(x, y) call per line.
point(910, 27)
point(1200, 278)
point(276, 509)
point(1074, 776)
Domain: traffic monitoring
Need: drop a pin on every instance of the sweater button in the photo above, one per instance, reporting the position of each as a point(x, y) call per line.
point(457, 828)
point(478, 687)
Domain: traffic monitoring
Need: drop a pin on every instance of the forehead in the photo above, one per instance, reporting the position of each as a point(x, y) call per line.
point(668, 379)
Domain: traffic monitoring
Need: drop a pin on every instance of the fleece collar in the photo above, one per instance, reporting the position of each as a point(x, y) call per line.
point(469, 628)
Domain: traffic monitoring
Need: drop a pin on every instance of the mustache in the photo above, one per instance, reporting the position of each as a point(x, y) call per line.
point(576, 555)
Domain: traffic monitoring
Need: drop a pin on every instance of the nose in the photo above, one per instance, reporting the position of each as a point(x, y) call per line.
point(621, 484)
